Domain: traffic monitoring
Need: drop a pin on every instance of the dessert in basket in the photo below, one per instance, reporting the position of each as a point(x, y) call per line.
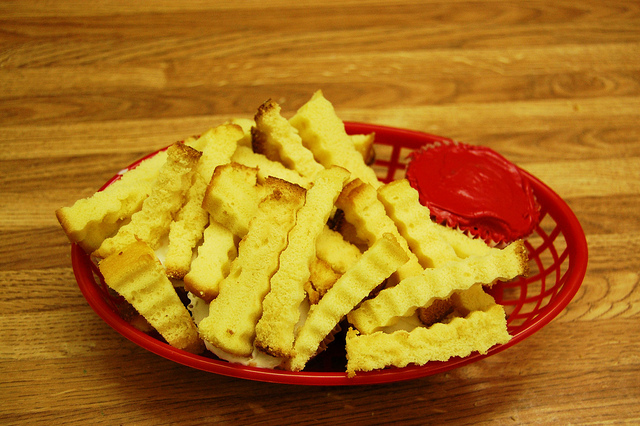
point(278, 234)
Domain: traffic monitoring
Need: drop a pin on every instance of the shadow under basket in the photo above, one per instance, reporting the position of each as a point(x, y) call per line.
point(558, 258)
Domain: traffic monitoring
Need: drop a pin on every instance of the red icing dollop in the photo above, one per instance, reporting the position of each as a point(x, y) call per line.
point(475, 189)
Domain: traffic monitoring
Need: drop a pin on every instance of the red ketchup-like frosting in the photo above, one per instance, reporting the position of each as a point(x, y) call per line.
point(475, 189)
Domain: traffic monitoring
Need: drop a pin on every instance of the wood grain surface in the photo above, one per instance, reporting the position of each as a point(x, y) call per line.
point(88, 87)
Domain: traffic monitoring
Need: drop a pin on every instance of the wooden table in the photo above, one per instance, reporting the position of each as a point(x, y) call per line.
point(88, 87)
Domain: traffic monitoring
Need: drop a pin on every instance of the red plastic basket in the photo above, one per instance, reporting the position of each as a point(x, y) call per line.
point(558, 261)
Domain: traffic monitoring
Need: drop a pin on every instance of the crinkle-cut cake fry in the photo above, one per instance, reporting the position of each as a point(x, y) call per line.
point(375, 265)
point(89, 221)
point(322, 277)
point(478, 331)
point(136, 273)
point(474, 298)
point(151, 223)
point(233, 315)
point(438, 283)
point(434, 244)
point(281, 306)
point(246, 124)
point(332, 248)
point(363, 143)
point(185, 232)
point(232, 197)
point(323, 133)
point(212, 263)
point(222, 142)
point(266, 167)
point(361, 207)
point(274, 133)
